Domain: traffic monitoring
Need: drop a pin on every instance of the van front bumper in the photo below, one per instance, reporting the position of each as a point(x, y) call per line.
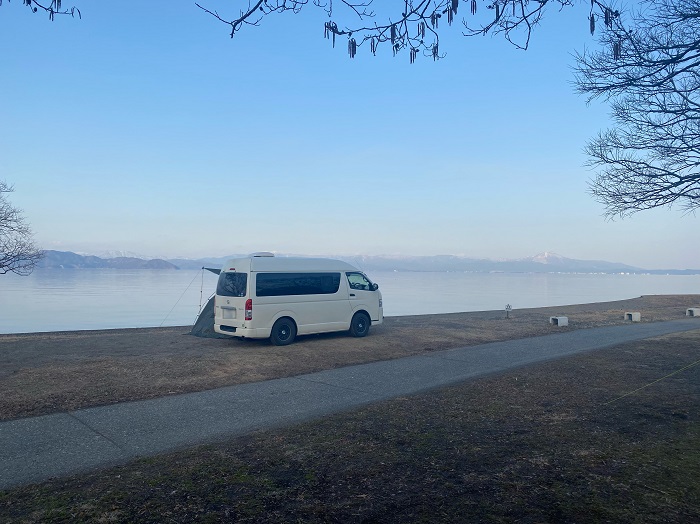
point(379, 320)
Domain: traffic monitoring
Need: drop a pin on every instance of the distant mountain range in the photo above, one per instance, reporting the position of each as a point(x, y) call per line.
point(541, 263)
point(70, 260)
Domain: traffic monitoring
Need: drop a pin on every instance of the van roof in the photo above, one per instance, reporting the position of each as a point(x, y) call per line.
point(266, 263)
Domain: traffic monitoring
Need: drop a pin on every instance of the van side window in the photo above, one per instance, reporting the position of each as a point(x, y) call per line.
point(359, 281)
point(281, 284)
point(232, 284)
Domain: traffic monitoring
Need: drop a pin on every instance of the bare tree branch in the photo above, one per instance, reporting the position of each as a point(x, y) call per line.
point(53, 8)
point(412, 25)
point(647, 69)
point(18, 254)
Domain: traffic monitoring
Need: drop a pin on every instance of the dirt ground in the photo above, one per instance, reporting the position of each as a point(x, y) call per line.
point(43, 373)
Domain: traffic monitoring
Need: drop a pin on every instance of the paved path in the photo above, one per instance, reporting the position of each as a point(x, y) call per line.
point(38, 448)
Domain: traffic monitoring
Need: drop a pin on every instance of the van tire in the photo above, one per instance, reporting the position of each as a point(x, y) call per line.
point(284, 331)
point(359, 325)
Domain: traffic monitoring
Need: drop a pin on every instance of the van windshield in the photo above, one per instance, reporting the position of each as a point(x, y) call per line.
point(232, 284)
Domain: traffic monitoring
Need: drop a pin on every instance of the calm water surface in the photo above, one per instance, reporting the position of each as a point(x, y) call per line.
point(54, 300)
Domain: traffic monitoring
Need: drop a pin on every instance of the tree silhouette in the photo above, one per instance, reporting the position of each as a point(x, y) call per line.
point(412, 25)
point(647, 69)
point(18, 254)
point(52, 8)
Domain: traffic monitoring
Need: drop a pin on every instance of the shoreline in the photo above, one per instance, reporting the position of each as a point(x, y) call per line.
point(49, 372)
point(588, 306)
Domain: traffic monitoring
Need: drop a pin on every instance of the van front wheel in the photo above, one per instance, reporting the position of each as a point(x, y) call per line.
point(359, 325)
point(283, 332)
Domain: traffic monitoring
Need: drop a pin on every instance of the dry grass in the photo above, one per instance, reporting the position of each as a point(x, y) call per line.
point(44, 373)
point(538, 444)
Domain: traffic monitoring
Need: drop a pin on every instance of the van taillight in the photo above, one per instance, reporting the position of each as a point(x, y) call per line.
point(249, 309)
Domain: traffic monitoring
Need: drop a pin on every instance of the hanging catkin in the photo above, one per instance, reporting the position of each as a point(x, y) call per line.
point(617, 50)
point(352, 47)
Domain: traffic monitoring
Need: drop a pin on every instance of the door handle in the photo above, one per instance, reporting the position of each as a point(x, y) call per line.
point(352, 294)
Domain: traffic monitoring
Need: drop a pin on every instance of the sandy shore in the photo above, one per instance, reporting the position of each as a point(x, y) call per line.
point(42, 373)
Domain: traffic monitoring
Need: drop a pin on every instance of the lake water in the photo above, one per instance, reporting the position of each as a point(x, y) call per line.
point(70, 299)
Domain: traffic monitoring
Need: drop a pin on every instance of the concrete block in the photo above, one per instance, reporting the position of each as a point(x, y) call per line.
point(559, 321)
point(692, 312)
point(633, 316)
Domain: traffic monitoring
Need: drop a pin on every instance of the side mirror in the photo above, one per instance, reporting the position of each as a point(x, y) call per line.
point(375, 287)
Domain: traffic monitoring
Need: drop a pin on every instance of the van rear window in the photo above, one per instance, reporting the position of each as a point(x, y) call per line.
point(232, 284)
point(280, 284)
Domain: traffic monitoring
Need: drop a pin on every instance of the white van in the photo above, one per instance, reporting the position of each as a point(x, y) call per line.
point(278, 297)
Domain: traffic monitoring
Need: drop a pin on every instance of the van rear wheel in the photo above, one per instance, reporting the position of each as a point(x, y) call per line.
point(359, 325)
point(284, 331)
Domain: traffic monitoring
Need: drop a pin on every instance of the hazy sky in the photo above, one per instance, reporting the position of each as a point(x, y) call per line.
point(148, 129)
